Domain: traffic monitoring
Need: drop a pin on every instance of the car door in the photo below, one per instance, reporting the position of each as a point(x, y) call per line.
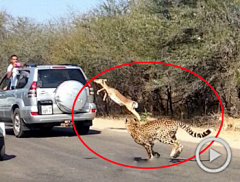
point(11, 96)
point(1, 105)
point(4, 86)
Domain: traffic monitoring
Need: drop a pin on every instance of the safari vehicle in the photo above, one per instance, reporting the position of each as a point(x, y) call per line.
point(44, 97)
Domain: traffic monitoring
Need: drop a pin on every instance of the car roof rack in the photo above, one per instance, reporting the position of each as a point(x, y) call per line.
point(68, 64)
point(30, 65)
point(35, 65)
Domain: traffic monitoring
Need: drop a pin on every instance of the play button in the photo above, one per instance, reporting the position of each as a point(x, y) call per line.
point(213, 155)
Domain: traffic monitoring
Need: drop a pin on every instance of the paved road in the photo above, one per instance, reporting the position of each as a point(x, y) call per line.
point(60, 156)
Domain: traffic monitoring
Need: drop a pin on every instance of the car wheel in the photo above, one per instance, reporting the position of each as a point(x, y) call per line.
point(82, 129)
point(2, 148)
point(18, 124)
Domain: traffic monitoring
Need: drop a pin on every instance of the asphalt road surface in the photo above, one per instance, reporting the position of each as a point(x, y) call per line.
point(60, 156)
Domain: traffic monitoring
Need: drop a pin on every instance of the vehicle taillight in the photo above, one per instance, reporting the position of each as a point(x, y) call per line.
point(33, 90)
point(89, 85)
point(34, 113)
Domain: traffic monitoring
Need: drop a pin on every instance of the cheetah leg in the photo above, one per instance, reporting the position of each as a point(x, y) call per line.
point(177, 146)
point(153, 152)
point(177, 149)
point(149, 150)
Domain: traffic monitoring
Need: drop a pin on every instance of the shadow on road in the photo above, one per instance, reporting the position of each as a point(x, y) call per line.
point(180, 160)
point(55, 132)
point(8, 157)
point(117, 128)
point(9, 131)
point(139, 159)
point(89, 158)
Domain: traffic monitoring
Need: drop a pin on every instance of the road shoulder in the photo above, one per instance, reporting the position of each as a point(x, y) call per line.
point(232, 138)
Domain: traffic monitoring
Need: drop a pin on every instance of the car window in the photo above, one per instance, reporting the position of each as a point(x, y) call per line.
point(5, 84)
point(22, 79)
point(52, 78)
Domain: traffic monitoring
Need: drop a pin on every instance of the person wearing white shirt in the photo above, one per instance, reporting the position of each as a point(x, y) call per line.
point(12, 70)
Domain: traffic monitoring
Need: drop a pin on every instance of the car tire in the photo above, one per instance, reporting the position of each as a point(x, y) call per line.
point(2, 148)
point(82, 129)
point(18, 124)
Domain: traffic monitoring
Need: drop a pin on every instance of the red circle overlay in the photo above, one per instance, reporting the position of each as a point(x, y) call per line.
point(144, 62)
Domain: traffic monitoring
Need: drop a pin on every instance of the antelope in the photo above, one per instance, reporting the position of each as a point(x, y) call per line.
point(117, 97)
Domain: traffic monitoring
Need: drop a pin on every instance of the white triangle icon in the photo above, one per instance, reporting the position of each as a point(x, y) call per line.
point(213, 155)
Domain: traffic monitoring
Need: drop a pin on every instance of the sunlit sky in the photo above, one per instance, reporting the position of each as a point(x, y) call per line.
point(42, 10)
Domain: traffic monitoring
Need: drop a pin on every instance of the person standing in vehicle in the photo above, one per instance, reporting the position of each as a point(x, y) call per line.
point(12, 70)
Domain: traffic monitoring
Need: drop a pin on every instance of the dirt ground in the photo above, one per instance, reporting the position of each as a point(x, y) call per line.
point(117, 124)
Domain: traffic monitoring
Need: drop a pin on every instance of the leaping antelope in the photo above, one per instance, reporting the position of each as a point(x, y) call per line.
point(117, 97)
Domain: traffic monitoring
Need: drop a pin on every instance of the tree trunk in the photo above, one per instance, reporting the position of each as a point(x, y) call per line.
point(169, 94)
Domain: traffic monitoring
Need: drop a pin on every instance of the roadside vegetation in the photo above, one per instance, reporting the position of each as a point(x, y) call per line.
point(200, 35)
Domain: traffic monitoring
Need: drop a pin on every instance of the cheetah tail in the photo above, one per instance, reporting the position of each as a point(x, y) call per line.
point(193, 133)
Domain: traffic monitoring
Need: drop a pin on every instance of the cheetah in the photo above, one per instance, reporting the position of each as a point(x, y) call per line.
point(163, 130)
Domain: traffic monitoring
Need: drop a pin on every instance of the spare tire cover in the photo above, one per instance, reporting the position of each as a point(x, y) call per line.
point(66, 93)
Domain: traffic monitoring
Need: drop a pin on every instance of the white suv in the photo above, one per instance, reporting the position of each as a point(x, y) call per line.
point(44, 97)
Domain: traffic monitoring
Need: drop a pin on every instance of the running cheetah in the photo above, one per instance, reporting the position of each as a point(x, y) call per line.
point(163, 130)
